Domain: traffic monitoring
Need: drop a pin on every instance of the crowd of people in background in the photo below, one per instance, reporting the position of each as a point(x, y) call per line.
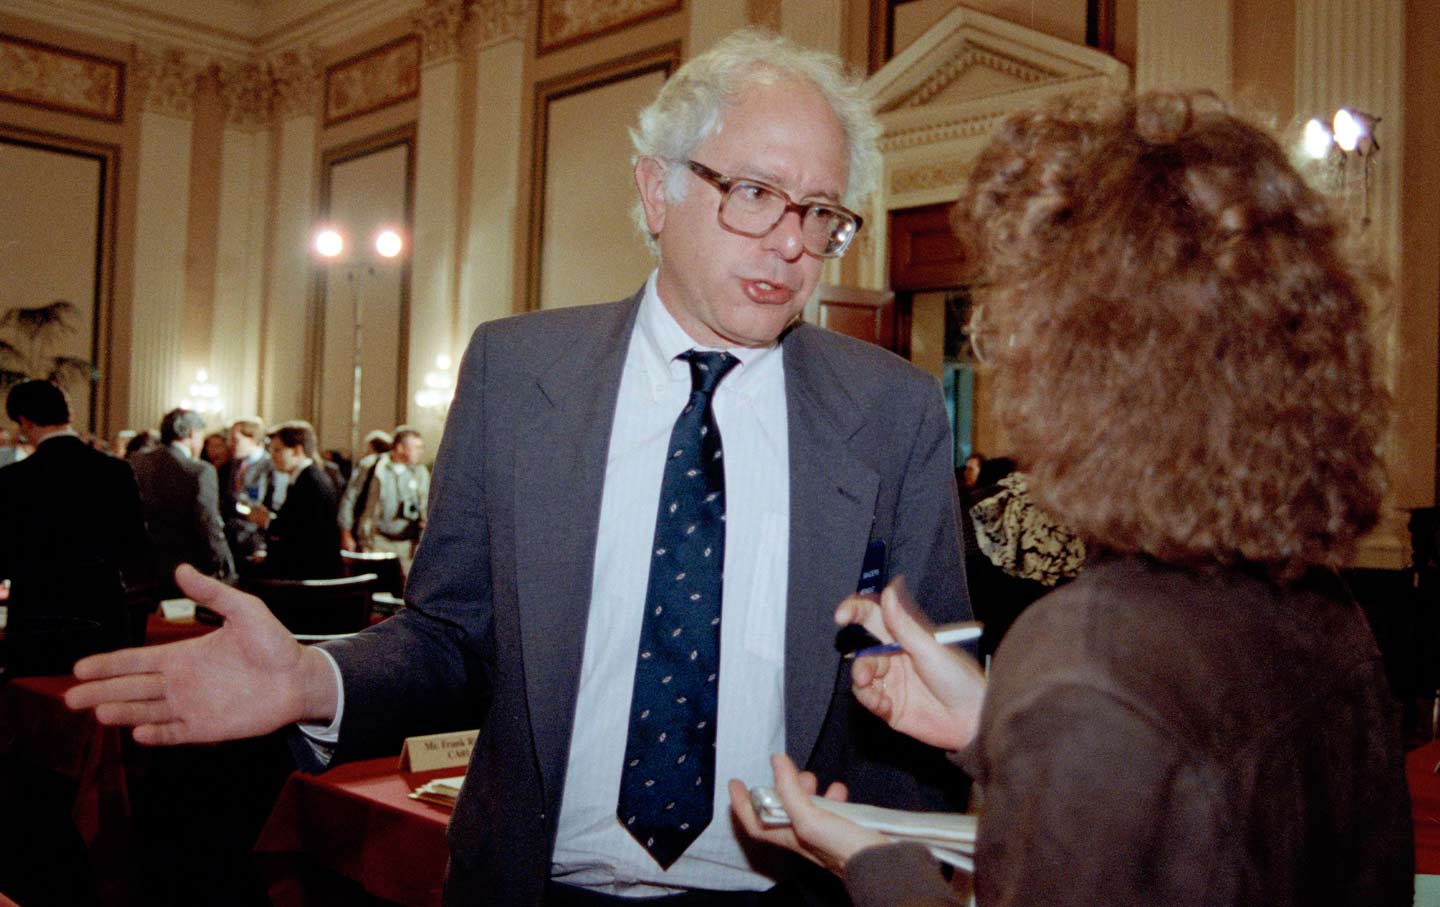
point(243, 501)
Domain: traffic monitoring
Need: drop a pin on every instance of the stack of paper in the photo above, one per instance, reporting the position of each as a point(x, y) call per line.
point(440, 791)
point(950, 836)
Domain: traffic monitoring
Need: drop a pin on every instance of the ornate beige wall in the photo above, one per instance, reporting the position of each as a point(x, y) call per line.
point(226, 111)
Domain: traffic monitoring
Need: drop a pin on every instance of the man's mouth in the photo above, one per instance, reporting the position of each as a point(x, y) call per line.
point(768, 292)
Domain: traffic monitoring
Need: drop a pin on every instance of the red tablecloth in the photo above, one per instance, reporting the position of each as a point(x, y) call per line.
point(356, 820)
point(1425, 806)
point(47, 735)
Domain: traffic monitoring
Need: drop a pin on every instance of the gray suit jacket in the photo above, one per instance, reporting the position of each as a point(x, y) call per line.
point(180, 497)
point(502, 580)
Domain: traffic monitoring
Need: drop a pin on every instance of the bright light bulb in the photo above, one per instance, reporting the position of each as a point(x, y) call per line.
point(1348, 130)
point(388, 243)
point(442, 362)
point(201, 376)
point(329, 243)
point(1317, 140)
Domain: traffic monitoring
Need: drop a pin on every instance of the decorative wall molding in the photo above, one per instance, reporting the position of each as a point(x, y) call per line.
point(941, 97)
point(923, 177)
point(55, 78)
point(970, 59)
point(296, 79)
point(248, 93)
point(567, 22)
point(373, 80)
point(165, 79)
point(494, 21)
point(438, 24)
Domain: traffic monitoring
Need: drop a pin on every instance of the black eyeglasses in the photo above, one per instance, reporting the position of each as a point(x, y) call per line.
point(752, 208)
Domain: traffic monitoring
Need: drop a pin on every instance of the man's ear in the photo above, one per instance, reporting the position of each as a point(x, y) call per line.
point(650, 180)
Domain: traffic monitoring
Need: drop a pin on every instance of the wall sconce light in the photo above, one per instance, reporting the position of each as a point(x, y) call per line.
point(439, 388)
point(1346, 147)
point(204, 395)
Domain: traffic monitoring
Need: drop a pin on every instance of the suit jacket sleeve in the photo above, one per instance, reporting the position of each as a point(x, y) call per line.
point(346, 516)
point(425, 668)
point(211, 528)
point(926, 548)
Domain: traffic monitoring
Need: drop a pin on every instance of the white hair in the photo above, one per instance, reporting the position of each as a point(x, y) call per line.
point(692, 104)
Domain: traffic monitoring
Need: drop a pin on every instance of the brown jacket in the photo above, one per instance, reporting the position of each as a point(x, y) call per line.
point(1154, 736)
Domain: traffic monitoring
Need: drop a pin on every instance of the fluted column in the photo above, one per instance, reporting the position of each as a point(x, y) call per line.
point(433, 251)
point(1183, 44)
point(1347, 55)
point(284, 389)
point(714, 19)
point(817, 24)
point(487, 268)
point(239, 270)
point(166, 82)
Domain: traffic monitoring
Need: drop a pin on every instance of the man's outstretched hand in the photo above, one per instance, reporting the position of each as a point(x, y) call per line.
point(247, 678)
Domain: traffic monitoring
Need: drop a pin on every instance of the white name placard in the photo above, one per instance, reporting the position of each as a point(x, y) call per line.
point(447, 750)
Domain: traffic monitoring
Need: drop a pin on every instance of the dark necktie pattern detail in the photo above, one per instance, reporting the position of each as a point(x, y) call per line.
point(667, 784)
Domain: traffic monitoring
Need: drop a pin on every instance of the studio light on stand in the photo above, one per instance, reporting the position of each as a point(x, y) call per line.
point(330, 246)
point(1346, 148)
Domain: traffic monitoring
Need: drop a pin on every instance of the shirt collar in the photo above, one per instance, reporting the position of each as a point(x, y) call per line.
point(660, 339)
point(182, 449)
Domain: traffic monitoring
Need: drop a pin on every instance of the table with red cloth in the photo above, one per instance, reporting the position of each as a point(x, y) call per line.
point(44, 733)
point(44, 736)
point(357, 821)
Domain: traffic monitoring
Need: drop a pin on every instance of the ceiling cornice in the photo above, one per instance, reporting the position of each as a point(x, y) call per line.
point(232, 30)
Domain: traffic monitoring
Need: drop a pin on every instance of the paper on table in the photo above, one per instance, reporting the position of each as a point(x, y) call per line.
point(440, 791)
point(178, 609)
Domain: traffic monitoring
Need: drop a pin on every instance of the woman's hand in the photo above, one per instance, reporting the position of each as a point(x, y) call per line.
point(820, 836)
point(928, 691)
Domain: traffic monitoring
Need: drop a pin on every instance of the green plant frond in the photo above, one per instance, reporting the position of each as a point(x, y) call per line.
point(9, 378)
point(41, 319)
point(64, 369)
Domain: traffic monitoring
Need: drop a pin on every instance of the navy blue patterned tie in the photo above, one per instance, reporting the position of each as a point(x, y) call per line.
point(667, 784)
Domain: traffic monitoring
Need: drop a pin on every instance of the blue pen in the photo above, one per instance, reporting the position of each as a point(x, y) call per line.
point(948, 635)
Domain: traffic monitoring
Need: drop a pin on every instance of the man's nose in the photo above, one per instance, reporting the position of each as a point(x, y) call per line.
point(787, 238)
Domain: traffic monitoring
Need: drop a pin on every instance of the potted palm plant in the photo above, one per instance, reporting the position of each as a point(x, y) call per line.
point(29, 336)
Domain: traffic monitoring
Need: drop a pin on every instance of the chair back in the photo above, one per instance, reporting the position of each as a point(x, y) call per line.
point(384, 564)
point(317, 606)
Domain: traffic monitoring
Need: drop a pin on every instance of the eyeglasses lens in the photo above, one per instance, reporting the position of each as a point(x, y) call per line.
point(754, 210)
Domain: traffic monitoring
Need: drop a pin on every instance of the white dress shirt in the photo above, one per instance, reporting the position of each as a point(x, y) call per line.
point(593, 849)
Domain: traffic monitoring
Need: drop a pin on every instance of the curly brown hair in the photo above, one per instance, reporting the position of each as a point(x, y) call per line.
point(1184, 363)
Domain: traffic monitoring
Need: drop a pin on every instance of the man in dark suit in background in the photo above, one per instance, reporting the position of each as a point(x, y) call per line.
point(180, 494)
point(530, 612)
point(245, 482)
point(302, 539)
point(72, 524)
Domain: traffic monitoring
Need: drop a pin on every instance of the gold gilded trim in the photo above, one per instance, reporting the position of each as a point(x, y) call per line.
point(373, 80)
point(55, 78)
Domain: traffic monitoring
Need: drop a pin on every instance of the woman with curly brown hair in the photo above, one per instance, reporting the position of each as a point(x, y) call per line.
point(1182, 363)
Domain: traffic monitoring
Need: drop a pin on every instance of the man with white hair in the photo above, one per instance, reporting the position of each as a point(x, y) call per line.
point(586, 535)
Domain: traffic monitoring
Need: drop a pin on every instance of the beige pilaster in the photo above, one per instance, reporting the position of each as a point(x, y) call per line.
point(166, 78)
point(284, 373)
point(435, 229)
point(1347, 56)
point(714, 19)
point(1183, 44)
point(487, 268)
point(817, 24)
point(239, 271)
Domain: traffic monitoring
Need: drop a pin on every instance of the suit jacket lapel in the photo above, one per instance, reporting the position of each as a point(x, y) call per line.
point(559, 478)
point(832, 504)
